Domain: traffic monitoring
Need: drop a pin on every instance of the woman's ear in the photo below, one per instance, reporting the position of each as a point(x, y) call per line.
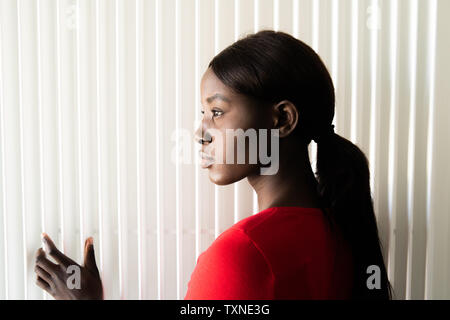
point(285, 117)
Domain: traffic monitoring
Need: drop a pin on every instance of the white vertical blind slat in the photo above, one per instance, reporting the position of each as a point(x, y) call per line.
point(432, 45)
point(373, 25)
point(167, 164)
point(68, 82)
point(188, 118)
point(438, 260)
point(276, 15)
point(59, 124)
point(98, 102)
point(118, 155)
point(412, 138)
point(401, 151)
point(380, 136)
point(140, 222)
point(107, 246)
point(198, 108)
point(4, 284)
point(40, 112)
point(78, 16)
point(392, 132)
point(177, 148)
point(157, 136)
point(22, 146)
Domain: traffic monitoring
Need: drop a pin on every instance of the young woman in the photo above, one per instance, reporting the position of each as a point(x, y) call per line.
point(313, 238)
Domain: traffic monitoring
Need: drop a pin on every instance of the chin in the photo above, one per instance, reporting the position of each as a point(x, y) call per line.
point(223, 175)
point(220, 179)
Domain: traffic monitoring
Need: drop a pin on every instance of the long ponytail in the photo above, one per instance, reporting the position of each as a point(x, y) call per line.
point(273, 66)
point(343, 176)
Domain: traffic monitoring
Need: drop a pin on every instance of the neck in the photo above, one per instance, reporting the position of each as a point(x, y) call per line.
point(294, 185)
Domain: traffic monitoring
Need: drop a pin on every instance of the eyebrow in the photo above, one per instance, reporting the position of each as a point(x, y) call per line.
point(217, 96)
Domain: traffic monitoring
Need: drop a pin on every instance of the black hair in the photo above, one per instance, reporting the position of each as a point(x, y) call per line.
point(273, 66)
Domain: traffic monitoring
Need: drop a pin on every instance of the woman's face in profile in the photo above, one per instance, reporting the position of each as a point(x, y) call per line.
point(225, 111)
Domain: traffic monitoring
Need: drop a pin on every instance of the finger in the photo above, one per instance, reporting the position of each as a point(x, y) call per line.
point(43, 274)
point(89, 255)
point(43, 285)
point(44, 263)
point(51, 249)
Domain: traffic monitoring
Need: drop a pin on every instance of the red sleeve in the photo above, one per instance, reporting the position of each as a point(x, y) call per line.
point(232, 268)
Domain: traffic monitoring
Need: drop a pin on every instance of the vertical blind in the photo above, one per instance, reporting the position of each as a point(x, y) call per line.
point(95, 96)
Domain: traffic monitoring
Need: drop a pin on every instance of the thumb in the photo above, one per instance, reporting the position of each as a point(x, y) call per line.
point(89, 255)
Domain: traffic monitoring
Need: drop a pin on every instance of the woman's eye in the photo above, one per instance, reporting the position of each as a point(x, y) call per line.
point(217, 113)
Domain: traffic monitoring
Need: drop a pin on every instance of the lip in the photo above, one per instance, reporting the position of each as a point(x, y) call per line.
point(206, 159)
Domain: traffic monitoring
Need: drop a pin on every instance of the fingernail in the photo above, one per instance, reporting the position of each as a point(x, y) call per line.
point(45, 245)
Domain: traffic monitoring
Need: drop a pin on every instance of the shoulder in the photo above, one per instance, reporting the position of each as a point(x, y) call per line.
point(259, 219)
point(234, 253)
point(233, 267)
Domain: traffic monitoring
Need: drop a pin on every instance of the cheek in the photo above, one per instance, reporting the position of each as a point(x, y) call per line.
point(237, 148)
point(242, 160)
point(242, 153)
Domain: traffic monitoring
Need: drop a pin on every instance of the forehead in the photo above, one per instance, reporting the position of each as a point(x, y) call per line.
point(211, 85)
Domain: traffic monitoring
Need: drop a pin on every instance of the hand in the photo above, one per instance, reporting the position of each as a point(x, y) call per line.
point(67, 280)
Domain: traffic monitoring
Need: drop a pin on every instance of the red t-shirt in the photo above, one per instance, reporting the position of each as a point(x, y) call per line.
point(278, 253)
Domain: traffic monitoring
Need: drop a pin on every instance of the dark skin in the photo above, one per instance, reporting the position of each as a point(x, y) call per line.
point(293, 185)
point(54, 277)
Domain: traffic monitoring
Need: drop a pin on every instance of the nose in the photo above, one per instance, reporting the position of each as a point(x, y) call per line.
point(198, 136)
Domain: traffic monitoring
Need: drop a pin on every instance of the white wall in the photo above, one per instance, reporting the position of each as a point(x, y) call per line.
point(91, 92)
